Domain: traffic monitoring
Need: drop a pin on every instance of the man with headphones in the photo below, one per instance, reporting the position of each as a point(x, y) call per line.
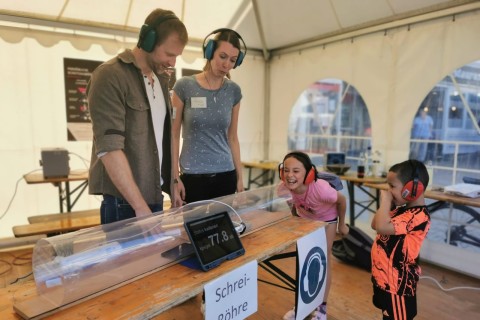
point(131, 115)
point(402, 222)
point(206, 108)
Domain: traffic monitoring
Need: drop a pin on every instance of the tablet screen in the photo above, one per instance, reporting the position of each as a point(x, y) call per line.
point(214, 239)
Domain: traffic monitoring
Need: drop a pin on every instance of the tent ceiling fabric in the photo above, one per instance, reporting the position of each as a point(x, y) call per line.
point(282, 23)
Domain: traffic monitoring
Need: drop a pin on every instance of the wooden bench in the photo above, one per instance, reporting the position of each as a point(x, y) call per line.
point(56, 223)
point(62, 216)
point(52, 224)
point(14, 244)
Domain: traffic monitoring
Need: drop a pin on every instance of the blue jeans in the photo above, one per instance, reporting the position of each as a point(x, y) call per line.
point(116, 209)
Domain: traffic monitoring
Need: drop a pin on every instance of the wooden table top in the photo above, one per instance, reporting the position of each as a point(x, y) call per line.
point(442, 196)
point(352, 177)
point(164, 288)
point(436, 195)
point(37, 177)
point(265, 165)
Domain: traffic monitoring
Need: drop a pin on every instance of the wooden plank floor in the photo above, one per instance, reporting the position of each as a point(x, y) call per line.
point(14, 264)
point(350, 296)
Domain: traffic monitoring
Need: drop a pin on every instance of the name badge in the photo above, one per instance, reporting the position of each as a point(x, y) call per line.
point(199, 102)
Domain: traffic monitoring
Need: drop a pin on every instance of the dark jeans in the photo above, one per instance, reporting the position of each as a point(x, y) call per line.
point(208, 186)
point(116, 209)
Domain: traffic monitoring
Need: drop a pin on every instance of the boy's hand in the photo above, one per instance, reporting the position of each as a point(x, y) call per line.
point(386, 197)
point(343, 229)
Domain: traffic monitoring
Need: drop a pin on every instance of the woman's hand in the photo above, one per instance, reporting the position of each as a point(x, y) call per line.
point(240, 187)
point(179, 194)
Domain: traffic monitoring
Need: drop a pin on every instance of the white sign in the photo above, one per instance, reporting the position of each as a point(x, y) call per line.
point(233, 295)
point(312, 272)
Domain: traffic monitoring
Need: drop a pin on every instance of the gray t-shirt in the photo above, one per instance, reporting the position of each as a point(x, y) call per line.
point(206, 118)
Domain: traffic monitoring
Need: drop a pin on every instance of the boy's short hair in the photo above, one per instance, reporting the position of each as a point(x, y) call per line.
point(408, 169)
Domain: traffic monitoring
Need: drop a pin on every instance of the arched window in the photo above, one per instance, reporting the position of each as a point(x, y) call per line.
point(446, 130)
point(330, 116)
point(446, 137)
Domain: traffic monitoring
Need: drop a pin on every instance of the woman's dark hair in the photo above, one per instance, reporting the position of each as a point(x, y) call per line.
point(229, 36)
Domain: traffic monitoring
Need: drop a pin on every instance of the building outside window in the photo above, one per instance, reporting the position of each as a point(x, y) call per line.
point(330, 116)
point(452, 151)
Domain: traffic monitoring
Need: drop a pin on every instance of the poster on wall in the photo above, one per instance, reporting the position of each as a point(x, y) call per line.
point(189, 72)
point(77, 74)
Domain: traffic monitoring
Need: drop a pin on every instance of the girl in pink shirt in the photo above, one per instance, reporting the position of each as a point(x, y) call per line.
point(313, 199)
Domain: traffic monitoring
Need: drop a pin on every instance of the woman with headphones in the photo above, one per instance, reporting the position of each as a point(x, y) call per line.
point(206, 108)
point(314, 199)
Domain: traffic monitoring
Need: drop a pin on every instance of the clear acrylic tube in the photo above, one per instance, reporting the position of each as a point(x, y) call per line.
point(75, 265)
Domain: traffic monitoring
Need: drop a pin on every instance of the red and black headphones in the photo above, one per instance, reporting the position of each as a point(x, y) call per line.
point(311, 175)
point(414, 188)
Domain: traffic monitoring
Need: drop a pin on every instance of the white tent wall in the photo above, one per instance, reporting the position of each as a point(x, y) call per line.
point(34, 113)
point(393, 72)
point(34, 117)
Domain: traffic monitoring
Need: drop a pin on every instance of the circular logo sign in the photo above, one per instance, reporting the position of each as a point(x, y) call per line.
point(313, 274)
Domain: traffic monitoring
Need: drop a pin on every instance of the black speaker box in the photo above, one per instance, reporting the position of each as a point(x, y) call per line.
point(55, 163)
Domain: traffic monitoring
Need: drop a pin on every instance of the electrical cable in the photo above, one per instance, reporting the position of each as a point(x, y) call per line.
point(86, 162)
point(241, 226)
point(8, 267)
point(22, 277)
point(23, 259)
point(15, 193)
point(449, 289)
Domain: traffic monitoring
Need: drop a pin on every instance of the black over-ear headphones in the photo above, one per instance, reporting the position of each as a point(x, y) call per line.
point(413, 188)
point(209, 48)
point(148, 34)
point(311, 174)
